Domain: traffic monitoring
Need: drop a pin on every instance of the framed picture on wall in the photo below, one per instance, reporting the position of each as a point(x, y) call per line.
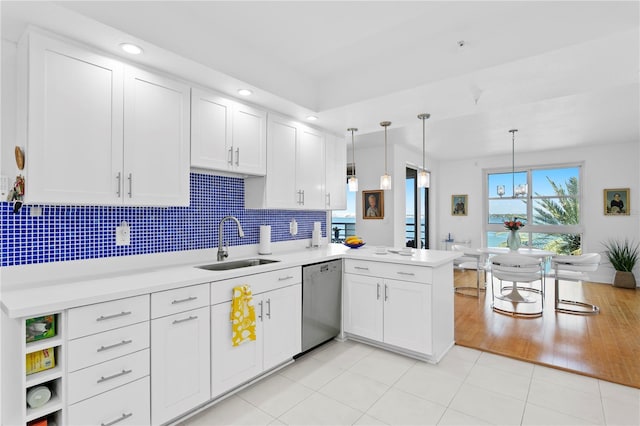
point(373, 204)
point(616, 201)
point(459, 205)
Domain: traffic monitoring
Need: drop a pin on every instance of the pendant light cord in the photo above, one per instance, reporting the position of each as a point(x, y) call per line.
point(513, 162)
point(353, 150)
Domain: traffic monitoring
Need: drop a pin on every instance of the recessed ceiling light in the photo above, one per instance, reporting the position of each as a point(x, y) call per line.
point(131, 48)
point(245, 92)
point(312, 117)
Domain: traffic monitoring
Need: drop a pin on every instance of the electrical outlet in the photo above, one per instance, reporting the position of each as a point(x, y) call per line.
point(123, 234)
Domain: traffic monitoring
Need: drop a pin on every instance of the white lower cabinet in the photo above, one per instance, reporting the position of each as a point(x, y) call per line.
point(126, 405)
point(387, 310)
point(180, 353)
point(278, 338)
point(179, 363)
point(277, 298)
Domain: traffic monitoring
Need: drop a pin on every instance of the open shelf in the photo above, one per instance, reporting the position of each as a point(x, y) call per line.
point(54, 404)
point(43, 344)
point(44, 376)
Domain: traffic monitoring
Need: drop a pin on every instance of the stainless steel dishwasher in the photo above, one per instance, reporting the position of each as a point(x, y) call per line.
point(321, 303)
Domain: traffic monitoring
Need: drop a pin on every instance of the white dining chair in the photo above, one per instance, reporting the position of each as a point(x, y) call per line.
point(573, 268)
point(471, 259)
point(517, 268)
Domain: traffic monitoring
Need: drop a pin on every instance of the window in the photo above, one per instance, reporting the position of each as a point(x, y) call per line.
point(343, 222)
point(548, 204)
point(417, 204)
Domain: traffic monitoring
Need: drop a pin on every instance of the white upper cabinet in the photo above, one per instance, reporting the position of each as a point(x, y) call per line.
point(74, 114)
point(295, 168)
point(99, 131)
point(156, 135)
point(336, 173)
point(227, 135)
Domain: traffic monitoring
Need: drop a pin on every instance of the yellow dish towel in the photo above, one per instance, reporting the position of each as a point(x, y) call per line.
point(243, 315)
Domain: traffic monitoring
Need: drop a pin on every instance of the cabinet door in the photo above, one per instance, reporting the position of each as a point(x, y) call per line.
point(310, 168)
point(407, 316)
point(156, 140)
point(210, 131)
point(232, 365)
point(74, 147)
point(282, 325)
point(249, 140)
point(281, 185)
point(363, 307)
point(180, 363)
point(336, 172)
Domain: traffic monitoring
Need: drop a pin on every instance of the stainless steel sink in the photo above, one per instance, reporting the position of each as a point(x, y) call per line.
point(235, 264)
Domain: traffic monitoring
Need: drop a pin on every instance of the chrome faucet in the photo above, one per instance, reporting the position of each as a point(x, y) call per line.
point(222, 252)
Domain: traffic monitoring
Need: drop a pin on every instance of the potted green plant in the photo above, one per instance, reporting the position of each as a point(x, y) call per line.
point(623, 256)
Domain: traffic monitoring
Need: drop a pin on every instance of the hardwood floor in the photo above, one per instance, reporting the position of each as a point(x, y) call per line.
point(605, 346)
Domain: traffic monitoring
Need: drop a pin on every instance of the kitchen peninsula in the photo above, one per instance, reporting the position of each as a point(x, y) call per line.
point(161, 329)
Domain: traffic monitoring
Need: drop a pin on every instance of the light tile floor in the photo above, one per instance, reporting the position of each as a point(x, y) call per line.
point(354, 384)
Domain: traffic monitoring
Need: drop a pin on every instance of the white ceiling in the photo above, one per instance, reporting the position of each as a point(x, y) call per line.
point(566, 74)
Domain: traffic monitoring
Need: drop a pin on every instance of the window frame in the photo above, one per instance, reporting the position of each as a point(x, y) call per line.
point(530, 227)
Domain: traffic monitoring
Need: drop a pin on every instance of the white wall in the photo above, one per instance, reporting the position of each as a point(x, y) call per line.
point(604, 166)
point(9, 108)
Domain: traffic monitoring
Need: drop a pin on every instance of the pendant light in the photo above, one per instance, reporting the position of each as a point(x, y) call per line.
point(385, 179)
point(353, 180)
point(520, 190)
point(424, 179)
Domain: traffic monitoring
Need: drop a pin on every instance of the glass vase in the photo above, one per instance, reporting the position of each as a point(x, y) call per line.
point(513, 240)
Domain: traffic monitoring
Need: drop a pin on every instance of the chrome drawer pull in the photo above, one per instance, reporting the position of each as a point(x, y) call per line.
point(411, 274)
point(108, 317)
point(118, 420)
point(115, 345)
point(269, 308)
point(361, 268)
point(122, 373)
point(378, 291)
point(191, 318)
point(288, 277)
point(188, 299)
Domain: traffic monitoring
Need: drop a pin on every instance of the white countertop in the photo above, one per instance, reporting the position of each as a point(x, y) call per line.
point(53, 295)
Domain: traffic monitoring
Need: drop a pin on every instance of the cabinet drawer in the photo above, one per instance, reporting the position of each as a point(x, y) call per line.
point(126, 405)
point(179, 300)
point(222, 291)
point(395, 271)
point(100, 317)
point(102, 347)
point(85, 383)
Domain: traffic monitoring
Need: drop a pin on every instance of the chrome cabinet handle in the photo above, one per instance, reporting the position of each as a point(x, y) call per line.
point(300, 197)
point(130, 178)
point(122, 373)
point(288, 277)
point(188, 299)
point(237, 156)
point(261, 309)
point(118, 420)
point(190, 318)
point(328, 196)
point(386, 292)
point(361, 268)
point(303, 197)
point(115, 345)
point(108, 317)
point(378, 291)
point(230, 157)
point(119, 178)
point(269, 308)
point(411, 274)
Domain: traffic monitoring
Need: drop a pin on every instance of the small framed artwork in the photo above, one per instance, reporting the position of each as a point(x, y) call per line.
point(459, 205)
point(373, 204)
point(616, 201)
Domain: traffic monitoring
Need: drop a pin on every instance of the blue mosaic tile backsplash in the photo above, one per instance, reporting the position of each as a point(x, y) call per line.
point(64, 233)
